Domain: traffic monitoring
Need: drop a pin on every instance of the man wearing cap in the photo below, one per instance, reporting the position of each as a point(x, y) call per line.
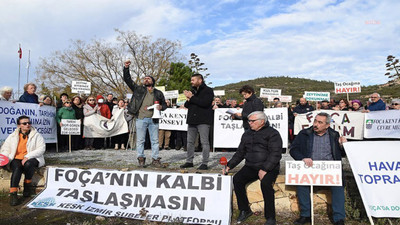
point(143, 97)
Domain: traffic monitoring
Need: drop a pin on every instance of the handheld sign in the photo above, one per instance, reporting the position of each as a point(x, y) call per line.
point(223, 161)
point(3, 160)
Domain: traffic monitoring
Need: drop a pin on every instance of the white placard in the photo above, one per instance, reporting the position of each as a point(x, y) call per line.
point(282, 98)
point(42, 118)
point(348, 124)
point(376, 166)
point(81, 87)
point(219, 92)
point(142, 195)
point(173, 119)
point(128, 95)
point(228, 132)
point(171, 94)
point(382, 124)
point(70, 127)
point(322, 173)
point(265, 92)
point(316, 96)
point(348, 87)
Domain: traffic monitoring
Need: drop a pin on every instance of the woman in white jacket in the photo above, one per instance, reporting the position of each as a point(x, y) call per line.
point(24, 148)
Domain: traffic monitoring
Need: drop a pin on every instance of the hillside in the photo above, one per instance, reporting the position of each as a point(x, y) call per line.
point(296, 87)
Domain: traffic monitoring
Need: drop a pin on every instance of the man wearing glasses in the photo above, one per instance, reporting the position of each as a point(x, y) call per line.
point(24, 148)
point(143, 97)
point(261, 146)
point(376, 103)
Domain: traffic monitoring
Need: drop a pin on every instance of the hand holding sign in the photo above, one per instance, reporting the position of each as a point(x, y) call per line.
point(223, 161)
point(3, 160)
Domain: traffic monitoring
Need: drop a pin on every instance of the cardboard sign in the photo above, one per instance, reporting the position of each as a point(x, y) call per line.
point(265, 92)
point(171, 94)
point(316, 96)
point(219, 92)
point(321, 173)
point(81, 87)
point(70, 127)
point(347, 87)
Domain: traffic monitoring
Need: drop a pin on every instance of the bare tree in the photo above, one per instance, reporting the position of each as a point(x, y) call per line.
point(100, 62)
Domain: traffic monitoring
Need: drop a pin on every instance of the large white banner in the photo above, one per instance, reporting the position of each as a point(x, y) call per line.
point(173, 119)
point(382, 124)
point(42, 118)
point(348, 124)
point(142, 195)
point(228, 132)
point(321, 173)
point(97, 126)
point(376, 166)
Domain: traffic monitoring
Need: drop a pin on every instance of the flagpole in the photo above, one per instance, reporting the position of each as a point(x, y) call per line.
point(29, 64)
point(19, 68)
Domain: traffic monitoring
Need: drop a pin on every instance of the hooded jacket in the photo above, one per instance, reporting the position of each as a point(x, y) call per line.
point(138, 94)
point(262, 149)
point(35, 146)
point(303, 144)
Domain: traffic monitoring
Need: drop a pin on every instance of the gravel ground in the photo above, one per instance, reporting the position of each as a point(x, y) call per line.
point(120, 159)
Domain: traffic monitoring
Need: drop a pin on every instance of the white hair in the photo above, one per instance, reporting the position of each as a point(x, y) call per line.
point(5, 89)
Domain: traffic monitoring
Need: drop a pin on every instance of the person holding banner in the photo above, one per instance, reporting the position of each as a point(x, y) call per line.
point(319, 142)
point(261, 146)
point(29, 95)
point(376, 103)
point(6, 93)
point(302, 107)
point(251, 104)
point(24, 148)
point(142, 98)
point(199, 119)
point(66, 112)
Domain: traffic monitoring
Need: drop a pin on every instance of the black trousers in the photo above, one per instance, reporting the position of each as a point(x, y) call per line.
point(247, 175)
point(17, 169)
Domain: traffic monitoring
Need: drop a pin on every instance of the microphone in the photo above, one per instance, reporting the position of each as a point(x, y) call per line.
point(223, 161)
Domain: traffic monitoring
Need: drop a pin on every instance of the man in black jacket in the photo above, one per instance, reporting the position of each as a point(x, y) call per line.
point(199, 118)
point(302, 107)
point(319, 142)
point(261, 146)
point(251, 104)
point(143, 97)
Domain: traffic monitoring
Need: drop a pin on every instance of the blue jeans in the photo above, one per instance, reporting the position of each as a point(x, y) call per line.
point(303, 194)
point(141, 127)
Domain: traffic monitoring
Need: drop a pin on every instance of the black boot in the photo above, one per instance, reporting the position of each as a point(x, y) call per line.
point(28, 190)
point(142, 161)
point(14, 198)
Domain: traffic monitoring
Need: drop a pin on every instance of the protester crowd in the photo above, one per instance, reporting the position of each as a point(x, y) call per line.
point(260, 146)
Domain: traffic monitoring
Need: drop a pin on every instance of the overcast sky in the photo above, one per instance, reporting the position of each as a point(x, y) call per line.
point(237, 40)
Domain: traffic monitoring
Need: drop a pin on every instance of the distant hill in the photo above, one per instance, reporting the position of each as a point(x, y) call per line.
point(296, 87)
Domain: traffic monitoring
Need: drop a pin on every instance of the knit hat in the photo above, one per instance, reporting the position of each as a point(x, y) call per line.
point(357, 101)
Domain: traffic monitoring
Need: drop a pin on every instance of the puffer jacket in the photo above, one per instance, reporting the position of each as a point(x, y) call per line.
point(138, 94)
point(262, 149)
point(35, 146)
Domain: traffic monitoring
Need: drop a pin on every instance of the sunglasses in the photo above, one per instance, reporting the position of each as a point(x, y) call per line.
point(68, 103)
point(395, 103)
point(91, 100)
point(26, 123)
point(252, 121)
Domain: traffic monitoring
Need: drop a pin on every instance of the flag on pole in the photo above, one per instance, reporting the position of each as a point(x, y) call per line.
point(20, 52)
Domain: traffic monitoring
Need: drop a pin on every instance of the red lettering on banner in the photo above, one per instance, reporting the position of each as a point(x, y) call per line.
point(294, 179)
point(305, 179)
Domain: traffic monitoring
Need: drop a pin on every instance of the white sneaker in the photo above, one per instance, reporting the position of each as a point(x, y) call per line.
point(122, 146)
point(116, 147)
